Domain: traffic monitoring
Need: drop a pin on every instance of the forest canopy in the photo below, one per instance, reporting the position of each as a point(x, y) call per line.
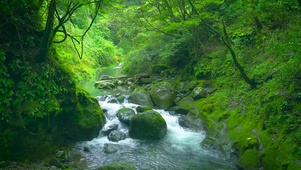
point(247, 51)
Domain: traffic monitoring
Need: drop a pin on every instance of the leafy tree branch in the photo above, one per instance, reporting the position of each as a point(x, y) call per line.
point(51, 30)
point(227, 42)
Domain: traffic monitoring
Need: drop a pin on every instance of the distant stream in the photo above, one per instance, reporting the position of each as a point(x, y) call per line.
point(179, 150)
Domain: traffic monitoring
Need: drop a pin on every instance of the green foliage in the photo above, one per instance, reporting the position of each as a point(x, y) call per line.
point(99, 51)
point(172, 25)
point(278, 13)
point(21, 11)
point(41, 101)
point(6, 85)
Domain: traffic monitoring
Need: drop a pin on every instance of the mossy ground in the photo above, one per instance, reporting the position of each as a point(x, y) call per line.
point(260, 122)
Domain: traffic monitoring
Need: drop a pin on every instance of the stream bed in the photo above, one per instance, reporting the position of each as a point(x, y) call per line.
point(180, 149)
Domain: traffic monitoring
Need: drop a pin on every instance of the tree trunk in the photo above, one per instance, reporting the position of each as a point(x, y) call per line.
point(48, 33)
point(227, 42)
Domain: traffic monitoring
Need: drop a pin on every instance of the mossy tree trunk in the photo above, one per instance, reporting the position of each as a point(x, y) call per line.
point(48, 33)
point(226, 40)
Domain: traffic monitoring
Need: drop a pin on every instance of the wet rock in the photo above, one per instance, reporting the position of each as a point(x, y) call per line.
point(113, 100)
point(86, 149)
point(219, 146)
point(148, 125)
point(107, 129)
point(141, 96)
point(120, 98)
point(125, 114)
point(179, 110)
point(110, 148)
point(163, 95)
point(191, 121)
point(116, 136)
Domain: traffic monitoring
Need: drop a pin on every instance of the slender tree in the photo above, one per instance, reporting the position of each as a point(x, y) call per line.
point(56, 23)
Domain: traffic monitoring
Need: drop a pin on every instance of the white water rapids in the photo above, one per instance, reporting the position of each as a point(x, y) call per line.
point(179, 150)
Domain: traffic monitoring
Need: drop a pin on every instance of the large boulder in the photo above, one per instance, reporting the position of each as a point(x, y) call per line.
point(163, 95)
point(148, 125)
point(82, 122)
point(125, 114)
point(141, 96)
point(78, 117)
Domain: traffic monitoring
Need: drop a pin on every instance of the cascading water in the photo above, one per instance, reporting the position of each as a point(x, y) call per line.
point(179, 150)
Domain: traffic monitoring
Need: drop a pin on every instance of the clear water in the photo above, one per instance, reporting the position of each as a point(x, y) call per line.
point(179, 150)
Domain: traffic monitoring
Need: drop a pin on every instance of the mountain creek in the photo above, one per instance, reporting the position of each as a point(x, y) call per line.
point(154, 122)
point(179, 149)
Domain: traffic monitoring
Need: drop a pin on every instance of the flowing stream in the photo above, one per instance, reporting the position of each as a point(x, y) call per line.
point(179, 150)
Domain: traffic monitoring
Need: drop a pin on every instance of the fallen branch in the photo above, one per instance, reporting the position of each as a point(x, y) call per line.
point(136, 77)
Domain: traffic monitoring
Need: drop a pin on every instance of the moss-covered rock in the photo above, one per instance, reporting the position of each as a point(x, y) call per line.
point(141, 109)
point(85, 121)
point(148, 125)
point(63, 116)
point(163, 94)
point(198, 92)
point(141, 96)
point(250, 159)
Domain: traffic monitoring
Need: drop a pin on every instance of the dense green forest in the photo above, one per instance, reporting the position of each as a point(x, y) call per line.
point(248, 51)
